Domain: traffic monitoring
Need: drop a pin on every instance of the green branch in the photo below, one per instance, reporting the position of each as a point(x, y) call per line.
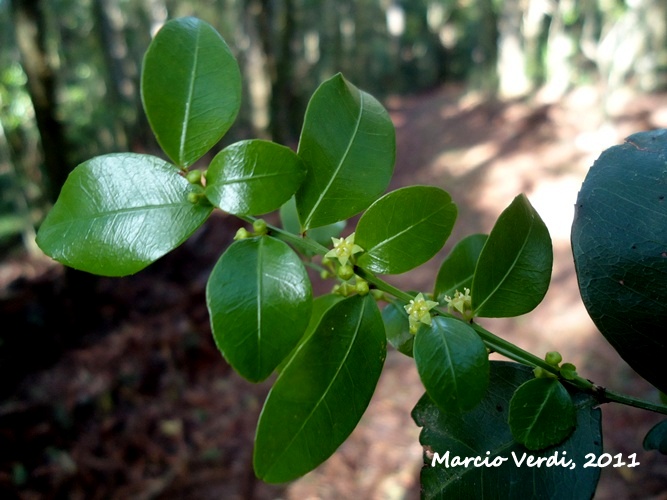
point(516, 353)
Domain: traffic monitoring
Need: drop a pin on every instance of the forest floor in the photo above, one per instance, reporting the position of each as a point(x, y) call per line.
point(122, 393)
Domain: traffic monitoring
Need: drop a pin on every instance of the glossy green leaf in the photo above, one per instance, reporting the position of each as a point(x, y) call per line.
point(118, 213)
point(656, 439)
point(483, 432)
point(348, 143)
point(404, 229)
point(542, 413)
point(453, 364)
point(458, 268)
point(290, 222)
point(259, 299)
point(514, 267)
point(320, 306)
point(619, 242)
point(253, 177)
point(397, 327)
point(322, 393)
point(190, 88)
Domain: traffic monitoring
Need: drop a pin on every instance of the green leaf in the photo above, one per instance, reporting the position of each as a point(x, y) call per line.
point(397, 326)
point(514, 267)
point(118, 213)
point(320, 306)
point(190, 88)
point(404, 229)
point(542, 413)
point(619, 242)
point(484, 429)
point(348, 143)
point(259, 299)
point(656, 439)
point(453, 364)
point(322, 393)
point(253, 177)
point(458, 268)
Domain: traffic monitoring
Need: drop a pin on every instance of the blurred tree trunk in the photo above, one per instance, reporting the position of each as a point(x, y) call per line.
point(119, 70)
point(628, 56)
point(30, 29)
point(278, 56)
point(513, 80)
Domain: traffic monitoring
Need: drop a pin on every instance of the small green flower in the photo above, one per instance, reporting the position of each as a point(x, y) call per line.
point(419, 312)
point(462, 302)
point(343, 250)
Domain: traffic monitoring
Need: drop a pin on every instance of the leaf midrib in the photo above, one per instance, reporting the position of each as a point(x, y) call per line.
point(325, 392)
point(188, 101)
point(324, 192)
point(386, 241)
point(120, 211)
point(509, 269)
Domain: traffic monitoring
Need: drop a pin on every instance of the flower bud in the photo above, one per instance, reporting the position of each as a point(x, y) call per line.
point(553, 358)
point(568, 371)
point(242, 234)
point(194, 197)
point(362, 287)
point(260, 227)
point(193, 177)
point(345, 272)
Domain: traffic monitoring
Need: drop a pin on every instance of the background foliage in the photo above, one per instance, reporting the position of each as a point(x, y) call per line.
point(69, 70)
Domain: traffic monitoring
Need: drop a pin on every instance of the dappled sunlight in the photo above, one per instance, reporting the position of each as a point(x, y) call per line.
point(485, 154)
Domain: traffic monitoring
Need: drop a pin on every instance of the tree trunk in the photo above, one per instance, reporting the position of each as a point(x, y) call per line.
point(30, 29)
point(513, 80)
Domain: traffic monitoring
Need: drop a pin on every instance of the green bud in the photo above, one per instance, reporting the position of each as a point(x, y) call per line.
point(324, 274)
point(553, 358)
point(193, 177)
point(362, 287)
point(242, 234)
point(568, 371)
point(194, 197)
point(260, 227)
point(345, 272)
point(344, 289)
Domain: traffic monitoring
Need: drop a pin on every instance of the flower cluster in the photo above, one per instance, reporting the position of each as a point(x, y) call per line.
point(419, 312)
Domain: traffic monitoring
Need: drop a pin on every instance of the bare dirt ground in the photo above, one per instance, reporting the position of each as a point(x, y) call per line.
point(125, 396)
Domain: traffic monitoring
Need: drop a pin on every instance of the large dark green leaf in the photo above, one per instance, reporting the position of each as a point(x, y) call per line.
point(320, 306)
point(514, 267)
point(190, 88)
point(619, 241)
point(348, 144)
point(484, 429)
point(118, 213)
point(253, 177)
point(322, 393)
point(259, 299)
point(656, 439)
point(404, 229)
point(542, 413)
point(453, 364)
point(458, 268)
